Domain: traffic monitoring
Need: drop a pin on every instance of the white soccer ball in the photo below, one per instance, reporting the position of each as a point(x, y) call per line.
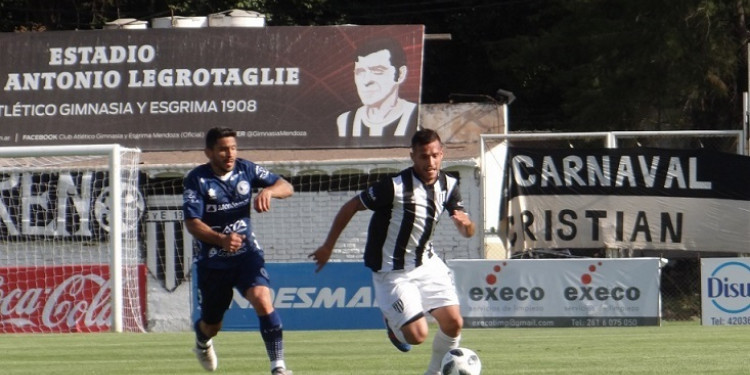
point(461, 361)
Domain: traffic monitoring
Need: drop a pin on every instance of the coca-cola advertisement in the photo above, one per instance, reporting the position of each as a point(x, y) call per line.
point(70, 298)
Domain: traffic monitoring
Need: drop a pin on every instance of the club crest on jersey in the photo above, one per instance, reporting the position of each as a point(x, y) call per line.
point(190, 196)
point(243, 187)
point(398, 305)
point(212, 194)
point(261, 172)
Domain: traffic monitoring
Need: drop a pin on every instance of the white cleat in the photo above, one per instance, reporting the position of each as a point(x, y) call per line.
point(281, 371)
point(207, 357)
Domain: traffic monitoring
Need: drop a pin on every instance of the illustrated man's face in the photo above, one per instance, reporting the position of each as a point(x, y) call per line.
point(223, 155)
point(376, 77)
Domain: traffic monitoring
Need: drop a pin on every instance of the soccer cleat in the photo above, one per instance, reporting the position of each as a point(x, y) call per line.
point(207, 356)
point(281, 371)
point(404, 347)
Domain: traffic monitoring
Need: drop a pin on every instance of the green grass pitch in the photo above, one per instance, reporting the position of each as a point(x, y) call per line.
point(673, 348)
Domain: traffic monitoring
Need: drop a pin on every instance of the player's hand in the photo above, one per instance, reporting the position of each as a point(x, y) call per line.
point(463, 223)
point(232, 242)
point(460, 218)
point(321, 256)
point(262, 202)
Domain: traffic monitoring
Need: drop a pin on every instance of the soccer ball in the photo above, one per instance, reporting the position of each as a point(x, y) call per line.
point(461, 361)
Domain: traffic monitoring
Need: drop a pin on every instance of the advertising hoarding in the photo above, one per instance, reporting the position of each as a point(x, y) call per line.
point(340, 296)
point(60, 299)
point(161, 89)
point(725, 292)
point(591, 292)
point(643, 198)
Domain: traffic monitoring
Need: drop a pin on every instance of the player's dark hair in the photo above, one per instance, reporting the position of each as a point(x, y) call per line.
point(423, 137)
point(214, 134)
point(398, 57)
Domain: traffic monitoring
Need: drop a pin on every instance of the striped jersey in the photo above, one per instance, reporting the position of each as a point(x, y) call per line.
point(224, 205)
point(405, 214)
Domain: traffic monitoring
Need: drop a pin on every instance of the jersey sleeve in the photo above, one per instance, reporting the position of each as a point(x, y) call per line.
point(378, 195)
point(454, 201)
point(192, 199)
point(262, 177)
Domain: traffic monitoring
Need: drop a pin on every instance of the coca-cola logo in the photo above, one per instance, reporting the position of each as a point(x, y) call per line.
point(75, 302)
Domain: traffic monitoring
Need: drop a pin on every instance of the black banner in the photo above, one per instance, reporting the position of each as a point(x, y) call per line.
point(161, 89)
point(640, 171)
point(696, 200)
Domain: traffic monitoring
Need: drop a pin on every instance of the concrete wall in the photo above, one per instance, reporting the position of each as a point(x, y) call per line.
point(297, 226)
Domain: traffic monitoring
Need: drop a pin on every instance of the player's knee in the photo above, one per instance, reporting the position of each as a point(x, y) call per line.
point(452, 325)
point(416, 332)
point(260, 298)
point(415, 339)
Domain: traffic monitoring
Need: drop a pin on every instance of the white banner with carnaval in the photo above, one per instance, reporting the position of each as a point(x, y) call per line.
point(558, 292)
point(725, 291)
point(695, 200)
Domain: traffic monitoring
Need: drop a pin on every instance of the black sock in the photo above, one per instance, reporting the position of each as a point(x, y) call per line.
point(201, 339)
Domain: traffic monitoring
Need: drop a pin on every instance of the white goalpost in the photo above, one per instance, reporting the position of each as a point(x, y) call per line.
point(69, 258)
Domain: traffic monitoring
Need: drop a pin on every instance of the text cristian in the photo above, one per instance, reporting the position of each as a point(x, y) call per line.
point(600, 225)
point(148, 78)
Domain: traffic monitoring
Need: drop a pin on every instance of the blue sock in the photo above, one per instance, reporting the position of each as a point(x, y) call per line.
point(271, 331)
point(200, 337)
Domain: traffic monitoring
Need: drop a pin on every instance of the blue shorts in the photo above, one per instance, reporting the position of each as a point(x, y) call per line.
point(215, 285)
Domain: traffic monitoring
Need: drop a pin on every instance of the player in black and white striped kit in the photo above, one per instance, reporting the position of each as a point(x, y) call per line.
point(408, 276)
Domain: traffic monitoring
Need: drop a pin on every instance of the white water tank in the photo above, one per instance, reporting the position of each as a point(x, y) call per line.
point(179, 22)
point(236, 18)
point(126, 24)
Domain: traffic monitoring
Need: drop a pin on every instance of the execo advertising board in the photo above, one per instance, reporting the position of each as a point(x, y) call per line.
point(591, 292)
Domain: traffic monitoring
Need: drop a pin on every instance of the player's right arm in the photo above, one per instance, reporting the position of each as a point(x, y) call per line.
point(230, 242)
point(193, 206)
point(342, 219)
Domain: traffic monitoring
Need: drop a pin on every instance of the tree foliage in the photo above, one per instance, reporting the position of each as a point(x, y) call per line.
point(572, 64)
point(631, 64)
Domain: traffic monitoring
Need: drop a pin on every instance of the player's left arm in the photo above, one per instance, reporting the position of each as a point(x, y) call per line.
point(280, 189)
point(461, 219)
point(463, 223)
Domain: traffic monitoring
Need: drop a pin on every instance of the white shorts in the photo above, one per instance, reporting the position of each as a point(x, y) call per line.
point(403, 295)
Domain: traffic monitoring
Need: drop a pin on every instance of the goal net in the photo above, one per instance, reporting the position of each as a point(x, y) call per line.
point(69, 257)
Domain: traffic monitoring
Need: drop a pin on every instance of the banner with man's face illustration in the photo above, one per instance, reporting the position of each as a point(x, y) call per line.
point(161, 89)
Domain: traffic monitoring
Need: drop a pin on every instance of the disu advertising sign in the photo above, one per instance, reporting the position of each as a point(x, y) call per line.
point(725, 291)
point(161, 89)
point(696, 200)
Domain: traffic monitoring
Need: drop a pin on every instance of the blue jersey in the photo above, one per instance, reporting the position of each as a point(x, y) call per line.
point(224, 205)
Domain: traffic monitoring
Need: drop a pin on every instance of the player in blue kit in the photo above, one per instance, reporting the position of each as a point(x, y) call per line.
point(217, 200)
